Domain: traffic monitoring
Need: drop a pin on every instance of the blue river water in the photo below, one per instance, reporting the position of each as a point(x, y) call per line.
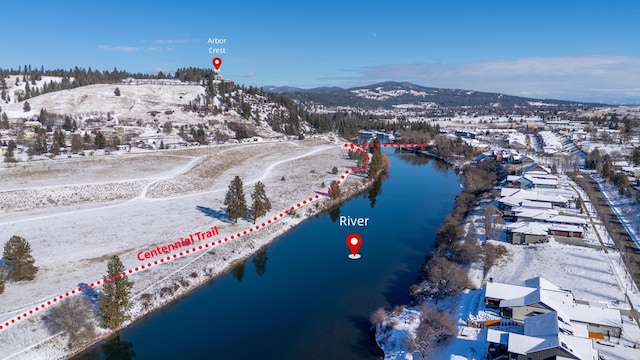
point(301, 297)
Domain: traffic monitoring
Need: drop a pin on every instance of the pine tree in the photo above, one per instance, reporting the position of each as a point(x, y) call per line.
point(43, 116)
point(18, 260)
point(8, 155)
point(5, 121)
point(115, 294)
point(235, 200)
point(1, 280)
point(100, 141)
point(260, 202)
point(375, 165)
point(335, 190)
point(116, 92)
point(26, 107)
point(67, 123)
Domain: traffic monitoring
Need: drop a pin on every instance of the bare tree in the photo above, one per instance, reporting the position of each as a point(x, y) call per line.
point(75, 317)
point(492, 218)
point(435, 329)
point(378, 317)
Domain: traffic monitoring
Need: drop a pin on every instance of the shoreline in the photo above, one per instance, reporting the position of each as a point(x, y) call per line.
point(448, 303)
point(328, 204)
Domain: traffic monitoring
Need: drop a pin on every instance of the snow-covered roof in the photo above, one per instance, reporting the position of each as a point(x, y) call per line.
point(529, 228)
point(564, 219)
point(541, 174)
point(595, 315)
point(548, 331)
point(553, 299)
point(542, 283)
point(541, 181)
point(523, 345)
point(537, 205)
point(564, 227)
point(498, 336)
point(535, 213)
point(502, 291)
point(533, 195)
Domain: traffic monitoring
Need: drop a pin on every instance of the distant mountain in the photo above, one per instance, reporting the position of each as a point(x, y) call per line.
point(389, 94)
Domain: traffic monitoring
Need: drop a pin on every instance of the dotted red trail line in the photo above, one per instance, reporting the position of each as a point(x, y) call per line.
point(205, 247)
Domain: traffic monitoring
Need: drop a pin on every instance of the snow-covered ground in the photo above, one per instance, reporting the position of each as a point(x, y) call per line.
point(71, 244)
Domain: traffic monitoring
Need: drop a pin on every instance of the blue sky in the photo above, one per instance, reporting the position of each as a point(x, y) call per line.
point(587, 50)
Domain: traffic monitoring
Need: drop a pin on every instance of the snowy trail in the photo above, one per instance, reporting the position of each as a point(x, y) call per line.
point(176, 172)
point(272, 166)
point(171, 174)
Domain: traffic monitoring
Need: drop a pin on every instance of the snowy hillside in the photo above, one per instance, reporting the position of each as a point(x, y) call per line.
point(135, 101)
point(16, 85)
point(147, 105)
point(380, 93)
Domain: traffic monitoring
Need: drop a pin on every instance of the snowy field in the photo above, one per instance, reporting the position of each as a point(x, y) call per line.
point(71, 244)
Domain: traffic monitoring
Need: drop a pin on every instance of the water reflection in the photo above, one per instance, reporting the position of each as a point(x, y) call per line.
point(416, 160)
point(334, 214)
point(260, 261)
point(114, 349)
point(376, 189)
point(237, 270)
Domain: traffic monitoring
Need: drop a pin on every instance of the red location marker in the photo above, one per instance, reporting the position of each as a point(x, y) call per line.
point(354, 242)
point(217, 62)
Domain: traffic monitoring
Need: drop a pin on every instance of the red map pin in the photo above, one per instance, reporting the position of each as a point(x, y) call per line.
point(354, 242)
point(217, 62)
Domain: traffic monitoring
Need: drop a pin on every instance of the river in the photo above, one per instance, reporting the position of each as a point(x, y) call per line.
point(302, 297)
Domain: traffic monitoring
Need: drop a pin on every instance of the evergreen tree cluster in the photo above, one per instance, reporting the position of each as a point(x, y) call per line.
point(237, 204)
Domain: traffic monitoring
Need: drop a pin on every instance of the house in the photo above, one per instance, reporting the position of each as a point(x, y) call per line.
point(547, 336)
point(536, 167)
point(566, 232)
point(539, 296)
point(530, 213)
point(538, 181)
point(512, 198)
point(527, 233)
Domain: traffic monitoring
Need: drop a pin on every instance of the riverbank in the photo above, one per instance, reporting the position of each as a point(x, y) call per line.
point(423, 327)
point(190, 272)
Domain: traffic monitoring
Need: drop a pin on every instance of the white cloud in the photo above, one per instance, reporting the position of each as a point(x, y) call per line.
point(587, 78)
point(171, 41)
point(120, 48)
point(154, 48)
point(249, 74)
